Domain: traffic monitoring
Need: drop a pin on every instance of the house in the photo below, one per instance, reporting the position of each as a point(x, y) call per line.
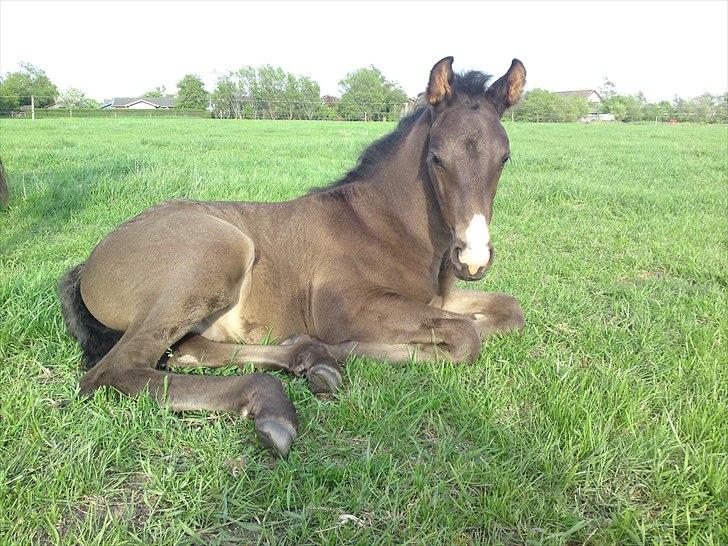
point(139, 103)
point(591, 96)
point(595, 102)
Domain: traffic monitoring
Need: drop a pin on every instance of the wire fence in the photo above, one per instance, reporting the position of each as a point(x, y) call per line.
point(331, 108)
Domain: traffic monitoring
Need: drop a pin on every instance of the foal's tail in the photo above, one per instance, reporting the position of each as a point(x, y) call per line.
point(94, 338)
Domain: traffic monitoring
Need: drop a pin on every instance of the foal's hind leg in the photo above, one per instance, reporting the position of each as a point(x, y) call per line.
point(301, 356)
point(129, 368)
point(182, 301)
point(492, 312)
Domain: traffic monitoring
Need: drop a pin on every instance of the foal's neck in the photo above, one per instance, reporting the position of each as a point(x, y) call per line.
point(401, 194)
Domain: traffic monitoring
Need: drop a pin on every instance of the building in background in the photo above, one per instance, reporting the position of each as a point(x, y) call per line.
point(139, 103)
point(595, 103)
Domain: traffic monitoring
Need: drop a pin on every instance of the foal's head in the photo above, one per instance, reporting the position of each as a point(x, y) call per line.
point(468, 149)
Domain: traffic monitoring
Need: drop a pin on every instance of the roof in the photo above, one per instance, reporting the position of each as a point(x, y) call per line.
point(584, 93)
point(159, 102)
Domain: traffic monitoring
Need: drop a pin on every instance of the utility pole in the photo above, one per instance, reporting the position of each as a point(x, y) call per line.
point(32, 107)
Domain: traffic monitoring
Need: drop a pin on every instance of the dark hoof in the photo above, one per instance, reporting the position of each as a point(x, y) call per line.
point(276, 436)
point(324, 377)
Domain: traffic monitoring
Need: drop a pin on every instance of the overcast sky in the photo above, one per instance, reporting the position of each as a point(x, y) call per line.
point(126, 48)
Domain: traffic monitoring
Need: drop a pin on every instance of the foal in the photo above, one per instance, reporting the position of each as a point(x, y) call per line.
point(365, 266)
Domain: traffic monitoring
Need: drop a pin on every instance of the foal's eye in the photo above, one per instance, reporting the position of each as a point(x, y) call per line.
point(505, 160)
point(437, 161)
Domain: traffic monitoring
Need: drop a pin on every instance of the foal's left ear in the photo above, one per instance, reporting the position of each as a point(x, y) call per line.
point(507, 89)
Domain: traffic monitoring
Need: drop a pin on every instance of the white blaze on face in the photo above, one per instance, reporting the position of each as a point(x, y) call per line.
point(476, 253)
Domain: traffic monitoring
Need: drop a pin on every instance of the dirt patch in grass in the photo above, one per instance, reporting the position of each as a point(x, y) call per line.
point(130, 504)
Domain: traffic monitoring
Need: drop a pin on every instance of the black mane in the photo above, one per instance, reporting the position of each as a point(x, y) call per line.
point(472, 84)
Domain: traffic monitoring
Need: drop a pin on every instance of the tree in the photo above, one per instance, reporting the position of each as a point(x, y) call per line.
point(615, 105)
point(309, 93)
point(660, 111)
point(608, 89)
point(367, 94)
point(270, 90)
point(192, 94)
point(224, 99)
point(721, 109)
point(267, 92)
point(537, 105)
point(157, 92)
point(291, 97)
point(573, 108)
point(704, 108)
point(681, 109)
point(9, 100)
point(329, 108)
point(28, 81)
point(73, 98)
point(633, 107)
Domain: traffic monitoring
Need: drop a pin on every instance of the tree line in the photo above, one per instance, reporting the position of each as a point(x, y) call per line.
point(268, 92)
point(265, 92)
point(539, 105)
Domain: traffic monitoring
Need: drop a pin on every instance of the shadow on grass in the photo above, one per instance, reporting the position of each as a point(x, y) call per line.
point(44, 202)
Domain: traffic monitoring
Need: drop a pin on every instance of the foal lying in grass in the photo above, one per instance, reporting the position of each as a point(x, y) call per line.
point(365, 266)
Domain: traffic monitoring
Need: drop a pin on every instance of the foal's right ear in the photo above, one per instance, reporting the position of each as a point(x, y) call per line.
point(440, 85)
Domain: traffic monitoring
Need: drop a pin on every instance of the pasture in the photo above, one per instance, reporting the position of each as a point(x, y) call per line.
point(604, 422)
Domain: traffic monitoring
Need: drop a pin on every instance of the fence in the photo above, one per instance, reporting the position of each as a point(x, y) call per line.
point(44, 113)
point(248, 108)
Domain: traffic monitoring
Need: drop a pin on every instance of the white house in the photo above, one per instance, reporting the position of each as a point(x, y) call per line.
point(139, 103)
point(591, 96)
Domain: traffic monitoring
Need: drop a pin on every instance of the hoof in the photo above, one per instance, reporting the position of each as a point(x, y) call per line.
point(276, 436)
point(324, 377)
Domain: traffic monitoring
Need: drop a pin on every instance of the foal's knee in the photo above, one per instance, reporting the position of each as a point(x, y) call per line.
point(506, 314)
point(512, 314)
point(463, 341)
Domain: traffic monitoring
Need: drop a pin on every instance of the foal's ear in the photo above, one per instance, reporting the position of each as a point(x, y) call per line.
point(507, 89)
point(440, 84)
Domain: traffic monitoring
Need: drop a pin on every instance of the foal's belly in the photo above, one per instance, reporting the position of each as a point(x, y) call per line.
point(264, 309)
point(230, 326)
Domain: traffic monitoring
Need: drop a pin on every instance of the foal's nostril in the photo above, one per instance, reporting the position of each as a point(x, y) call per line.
point(455, 251)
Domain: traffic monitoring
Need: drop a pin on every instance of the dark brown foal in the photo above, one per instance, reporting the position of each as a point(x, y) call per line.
point(365, 266)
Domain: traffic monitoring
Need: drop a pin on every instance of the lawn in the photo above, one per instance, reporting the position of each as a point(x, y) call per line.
point(604, 422)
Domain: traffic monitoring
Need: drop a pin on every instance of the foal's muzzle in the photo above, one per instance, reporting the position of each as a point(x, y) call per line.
point(464, 272)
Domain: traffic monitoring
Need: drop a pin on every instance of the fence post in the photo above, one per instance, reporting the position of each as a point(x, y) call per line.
point(32, 107)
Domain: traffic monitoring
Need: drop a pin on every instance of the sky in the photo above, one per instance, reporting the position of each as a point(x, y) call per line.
point(114, 48)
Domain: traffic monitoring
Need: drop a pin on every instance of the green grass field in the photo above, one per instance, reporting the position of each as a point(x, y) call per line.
point(604, 423)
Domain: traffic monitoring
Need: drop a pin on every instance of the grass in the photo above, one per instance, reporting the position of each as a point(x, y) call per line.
point(605, 422)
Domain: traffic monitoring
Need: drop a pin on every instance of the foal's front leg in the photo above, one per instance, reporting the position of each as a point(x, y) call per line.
point(303, 356)
point(397, 328)
point(493, 312)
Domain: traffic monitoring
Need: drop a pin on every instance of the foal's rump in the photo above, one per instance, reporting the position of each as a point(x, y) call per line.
point(94, 338)
point(152, 273)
